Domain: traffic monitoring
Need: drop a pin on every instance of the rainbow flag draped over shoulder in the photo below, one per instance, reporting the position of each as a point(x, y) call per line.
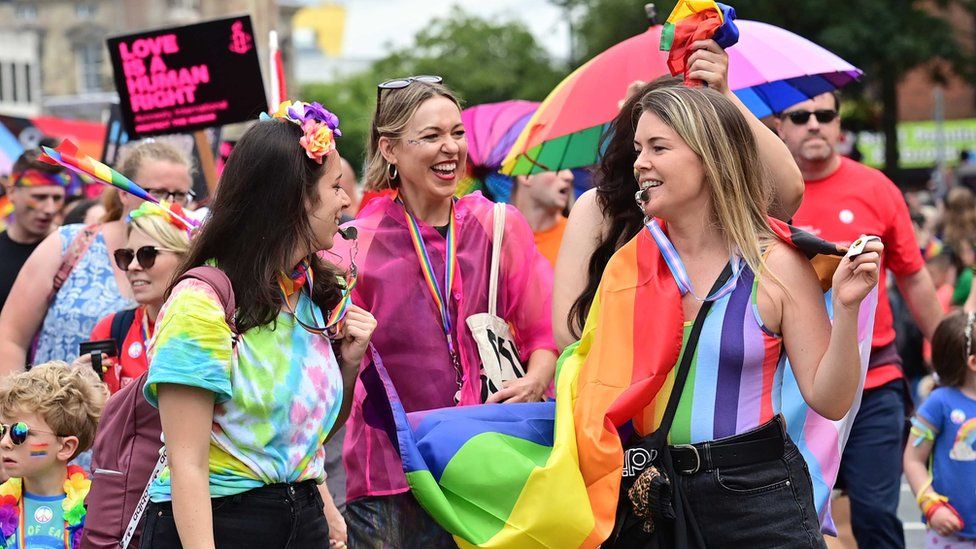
point(691, 21)
point(547, 475)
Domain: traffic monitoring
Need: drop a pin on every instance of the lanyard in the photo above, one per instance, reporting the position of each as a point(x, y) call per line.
point(678, 270)
point(441, 296)
point(22, 529)
point(306, 279)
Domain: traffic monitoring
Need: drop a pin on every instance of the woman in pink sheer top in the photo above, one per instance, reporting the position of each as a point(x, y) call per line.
point(418, 149)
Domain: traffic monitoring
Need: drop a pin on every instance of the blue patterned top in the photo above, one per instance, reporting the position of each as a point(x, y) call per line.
point(89, 294)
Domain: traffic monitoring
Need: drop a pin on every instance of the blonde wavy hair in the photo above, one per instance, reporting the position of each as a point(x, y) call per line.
point(165, 233)
point(69, 399)
point(396, 108)
point(738, 182)
point(132, 160)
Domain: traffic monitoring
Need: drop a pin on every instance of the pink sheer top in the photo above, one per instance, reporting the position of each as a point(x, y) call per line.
point(409, 336)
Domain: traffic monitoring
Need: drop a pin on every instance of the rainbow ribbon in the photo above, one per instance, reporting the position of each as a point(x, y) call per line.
point(288, 287)
point(441, 299)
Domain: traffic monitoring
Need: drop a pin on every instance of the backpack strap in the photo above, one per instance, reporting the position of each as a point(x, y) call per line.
point(79, 245)
point(121, 322)
point(217, 280)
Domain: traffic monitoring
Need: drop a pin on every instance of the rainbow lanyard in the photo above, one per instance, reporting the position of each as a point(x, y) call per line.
point(441, 298)
point(308, 276)
point(22, 529)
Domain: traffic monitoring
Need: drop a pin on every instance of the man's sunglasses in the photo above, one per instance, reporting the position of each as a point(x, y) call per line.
point(20, 431)
point(400, 83)
point(799, 118)
point(146, 256)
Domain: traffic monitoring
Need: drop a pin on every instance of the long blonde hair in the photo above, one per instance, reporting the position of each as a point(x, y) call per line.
point(738, 182)
point(395, 109)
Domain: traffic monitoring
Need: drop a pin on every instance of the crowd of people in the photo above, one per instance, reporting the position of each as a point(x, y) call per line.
point(248, 332)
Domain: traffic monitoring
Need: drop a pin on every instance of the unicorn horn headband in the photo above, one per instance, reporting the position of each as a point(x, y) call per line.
point(67, 154)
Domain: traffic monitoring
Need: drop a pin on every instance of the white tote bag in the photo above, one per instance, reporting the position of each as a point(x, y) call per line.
point(499, 357)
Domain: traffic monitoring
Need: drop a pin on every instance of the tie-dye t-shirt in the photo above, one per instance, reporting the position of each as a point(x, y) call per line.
point(277, 394)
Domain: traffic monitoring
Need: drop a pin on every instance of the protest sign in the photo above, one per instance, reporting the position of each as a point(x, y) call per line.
point(181, 79)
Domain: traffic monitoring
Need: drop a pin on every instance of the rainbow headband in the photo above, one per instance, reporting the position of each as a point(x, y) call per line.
point(320, 126)
point(172, 213)
point(37, 178)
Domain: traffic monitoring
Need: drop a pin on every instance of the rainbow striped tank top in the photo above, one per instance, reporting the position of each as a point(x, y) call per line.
point(736, 374)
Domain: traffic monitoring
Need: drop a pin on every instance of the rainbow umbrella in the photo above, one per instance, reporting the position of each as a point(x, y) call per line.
point(492, 128)
point(770, 69)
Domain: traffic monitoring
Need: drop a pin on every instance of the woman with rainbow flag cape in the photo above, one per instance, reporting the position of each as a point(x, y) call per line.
point(247, 399)
point(425, 260)
point(70, 281)
point(550, 475)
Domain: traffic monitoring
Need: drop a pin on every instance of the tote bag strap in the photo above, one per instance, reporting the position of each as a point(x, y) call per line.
point(498, 234)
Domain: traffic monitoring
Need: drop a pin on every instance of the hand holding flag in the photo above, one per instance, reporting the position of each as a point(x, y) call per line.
point(692, 21)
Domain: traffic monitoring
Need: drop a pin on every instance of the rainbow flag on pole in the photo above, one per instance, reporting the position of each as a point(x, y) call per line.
point(547, 475)
point(691, 21)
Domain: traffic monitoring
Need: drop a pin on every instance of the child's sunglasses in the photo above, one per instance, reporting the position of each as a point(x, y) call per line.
point(20, 431)
point(146, 256)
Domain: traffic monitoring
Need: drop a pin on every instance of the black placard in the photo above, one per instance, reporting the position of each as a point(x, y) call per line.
point(182, 79)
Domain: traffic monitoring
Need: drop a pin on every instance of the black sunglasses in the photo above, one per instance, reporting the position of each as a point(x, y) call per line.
point(400, 83)
point(20, 431)
point(824, 116)
point(146, 256)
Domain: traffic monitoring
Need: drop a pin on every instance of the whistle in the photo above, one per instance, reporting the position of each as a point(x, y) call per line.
point(349, 233)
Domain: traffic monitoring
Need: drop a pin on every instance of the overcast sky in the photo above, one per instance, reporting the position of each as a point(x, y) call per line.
point(373, 25)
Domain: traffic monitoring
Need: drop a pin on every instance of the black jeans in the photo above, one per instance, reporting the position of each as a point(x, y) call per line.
point(393, 522)
point(766, 504)
point(286, 516)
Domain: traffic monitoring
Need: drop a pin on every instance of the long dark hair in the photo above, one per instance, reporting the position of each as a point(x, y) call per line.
point(259, 216)
point(615, 190)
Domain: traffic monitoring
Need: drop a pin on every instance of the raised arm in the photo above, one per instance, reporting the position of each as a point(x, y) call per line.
point(710, 63)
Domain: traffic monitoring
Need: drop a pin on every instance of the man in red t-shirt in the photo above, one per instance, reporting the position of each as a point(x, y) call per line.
point(843, 200)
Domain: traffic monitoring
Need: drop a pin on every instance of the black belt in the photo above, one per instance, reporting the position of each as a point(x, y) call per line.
point(764, 443)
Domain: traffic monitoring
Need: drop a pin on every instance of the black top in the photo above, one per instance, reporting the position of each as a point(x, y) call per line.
point(13, 255)
point(442, 229)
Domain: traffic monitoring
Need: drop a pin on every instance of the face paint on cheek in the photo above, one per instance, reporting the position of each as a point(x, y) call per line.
point(38, 450)
point(31, 204)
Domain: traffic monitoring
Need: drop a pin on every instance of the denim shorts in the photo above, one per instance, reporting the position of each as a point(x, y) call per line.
point(285, 516)
point(393, 522)
point(765, 504)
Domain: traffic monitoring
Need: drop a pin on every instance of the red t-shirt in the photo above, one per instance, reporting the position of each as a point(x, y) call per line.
point(857, 200)
point(132, 362)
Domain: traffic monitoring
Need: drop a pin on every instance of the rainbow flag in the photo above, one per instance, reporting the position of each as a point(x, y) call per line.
point(489, 474)
point(67, 154)
point(691, 21)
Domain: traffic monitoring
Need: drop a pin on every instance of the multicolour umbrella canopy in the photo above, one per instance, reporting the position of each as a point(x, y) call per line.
point(770, 69)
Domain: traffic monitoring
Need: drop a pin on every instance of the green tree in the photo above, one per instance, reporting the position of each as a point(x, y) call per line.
point(884, 38)
point(483, 61)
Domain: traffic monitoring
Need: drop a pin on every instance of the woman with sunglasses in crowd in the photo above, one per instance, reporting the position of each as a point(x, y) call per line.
point(604, 218)
point(408, 245)
point(81, 259)
point(247, 404)
point(157, 242)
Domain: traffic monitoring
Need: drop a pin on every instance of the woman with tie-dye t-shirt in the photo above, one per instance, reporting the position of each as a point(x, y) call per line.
point(246, 410)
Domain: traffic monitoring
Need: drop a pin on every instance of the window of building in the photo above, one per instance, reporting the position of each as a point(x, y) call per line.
point(85, 11)
point(90, 60)
point(26, 12)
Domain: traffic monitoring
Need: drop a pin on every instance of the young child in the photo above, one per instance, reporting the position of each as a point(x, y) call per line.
point(940, 460)
point(48, 415)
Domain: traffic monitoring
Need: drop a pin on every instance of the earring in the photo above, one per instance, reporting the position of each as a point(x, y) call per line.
point(391, 172)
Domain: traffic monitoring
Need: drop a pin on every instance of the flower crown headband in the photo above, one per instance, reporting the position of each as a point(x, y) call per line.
point(170, 212)
point(320, 126)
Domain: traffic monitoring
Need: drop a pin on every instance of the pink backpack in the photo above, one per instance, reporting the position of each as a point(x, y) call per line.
point(126, 453)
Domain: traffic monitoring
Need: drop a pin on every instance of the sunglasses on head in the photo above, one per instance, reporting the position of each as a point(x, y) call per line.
point(146, 256)
point(19, 432)
point(400, 83)
point(824, 116)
